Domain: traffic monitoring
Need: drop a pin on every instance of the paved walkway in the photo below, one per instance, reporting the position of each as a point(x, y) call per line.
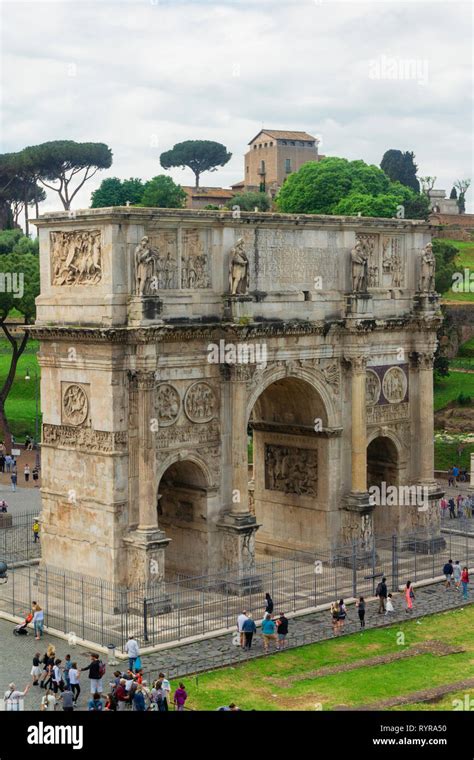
point(224, 650)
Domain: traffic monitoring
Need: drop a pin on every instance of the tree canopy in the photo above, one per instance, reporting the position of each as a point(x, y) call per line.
point(338, 186)
point(117, 192)
point(198, 155)
point(401, 167)
point(445, 254)
point(249, 201)
point(162, 192)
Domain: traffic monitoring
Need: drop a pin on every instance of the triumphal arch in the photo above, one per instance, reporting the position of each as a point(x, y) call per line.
point(177, 346)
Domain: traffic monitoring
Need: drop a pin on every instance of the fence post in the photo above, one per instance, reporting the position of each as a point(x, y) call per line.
point(394, 563)
point(82, 606)
point(415, 558)
point(102, 611)
point(64, 602)
point(294, 584)
point(145, 619)
point(354, 569)
point(13, 594)
point(202, 607)
point(46, 614)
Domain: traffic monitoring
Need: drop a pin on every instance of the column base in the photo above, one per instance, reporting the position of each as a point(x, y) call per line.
point(146, 559)
point(358, 528)
point(145, 309)
point(237, 556)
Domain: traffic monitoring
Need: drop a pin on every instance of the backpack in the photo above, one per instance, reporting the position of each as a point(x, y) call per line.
point(101, 668)
point(378, 590)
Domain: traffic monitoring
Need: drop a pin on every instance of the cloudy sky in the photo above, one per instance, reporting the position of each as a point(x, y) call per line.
point(141, 75)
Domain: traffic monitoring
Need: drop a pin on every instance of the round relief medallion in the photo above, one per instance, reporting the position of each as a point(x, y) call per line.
point(394, 385)
point(200, 402)
point(372, 387)
point(75, 405)
point(168, 404)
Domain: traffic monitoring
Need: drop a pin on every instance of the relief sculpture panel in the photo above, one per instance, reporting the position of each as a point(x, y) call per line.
point(195, 259)
point(291, 470)
point(76, 257)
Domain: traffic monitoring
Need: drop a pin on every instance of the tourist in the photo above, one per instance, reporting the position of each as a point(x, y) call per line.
point(157, 697)
point(38, 620)
point(66, 669)
point(282, 630)
point(74, 675)
point(450, 477)
point(110, 703)
point(389, 610)
point(35, 476)
point(2, 462)
point(444, 505)
point(133, 651)
point(361, 611)
point(268, 631)
point(464, 582)
point(249, 628)
point(48, 664)
point(459, 500)
point(240, 622)
point(8, 463)
point(180, 697)
point(335, 617)
point(381, 592)
point(26, 473)
point(455, 473)
point(95, 702)
point(3, 505)
point(409, 597)
point(166, 686)
point(452, 508)
point(448, 573)
point(268, 604)
point(36, 669)
point(139, 704)
point(95, 674)
point(121, 695)
point(36, 530)
point(13, 698)
point(67, 699)
point(457, 575)
point(58, 683)
point(342, 614)
point(14, 480)
point(48, 701)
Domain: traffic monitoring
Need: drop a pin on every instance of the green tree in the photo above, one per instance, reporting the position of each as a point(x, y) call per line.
point(401, 167)
point(116, 192)
point(161, 191)
point(249, 201)
point(198, 155)
point(19, 280)
point(445, 254)
point(453, 194)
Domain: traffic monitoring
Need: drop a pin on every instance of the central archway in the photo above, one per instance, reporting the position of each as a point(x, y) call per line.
point(182, 515)
point(383, 472)
point(290, 472)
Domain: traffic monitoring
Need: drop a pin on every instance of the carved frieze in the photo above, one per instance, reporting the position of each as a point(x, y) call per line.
point(75, 404)
point(392, 261)
point(194, 261)
point(291, 470)
point(84, 439)
point(189, 434)
point(76, 257)
point(167, 404)
point(200, 403)
point(365, 262)
point(387, 412)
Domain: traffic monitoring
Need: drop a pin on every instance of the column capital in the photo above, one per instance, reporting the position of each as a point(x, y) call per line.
point(357, 362)
point(142, 379)
point(421, 359)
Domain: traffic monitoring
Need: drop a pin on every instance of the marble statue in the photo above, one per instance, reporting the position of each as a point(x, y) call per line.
point(238, 269)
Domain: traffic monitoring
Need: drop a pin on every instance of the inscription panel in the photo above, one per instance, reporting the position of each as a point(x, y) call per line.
point(291, 470)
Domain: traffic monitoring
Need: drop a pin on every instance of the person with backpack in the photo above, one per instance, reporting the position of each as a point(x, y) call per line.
point(67, 699)
point(381, 592)
point(409, 597)
point(96, 670)
point(157, 697)
point(361, 611)
point(268, 604)
point(282, 630)
point(448, 573)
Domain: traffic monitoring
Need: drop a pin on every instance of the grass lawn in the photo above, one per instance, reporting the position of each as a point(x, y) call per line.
point(284, 682)
point(20, 406)
point(465, 260)
point(449, 388)
point(462, 362)
point(445, 455)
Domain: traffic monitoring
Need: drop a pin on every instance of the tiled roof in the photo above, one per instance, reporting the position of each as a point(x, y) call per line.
point(208, 192)
point(283, 134)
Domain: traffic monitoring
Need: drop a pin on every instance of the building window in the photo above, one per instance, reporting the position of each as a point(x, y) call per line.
point(287, 165)
point(292, 142)
point(265, 145)
point(262, 167)
point(283, 142)
point(271, 144)
point(255, 147)
point(247, 170)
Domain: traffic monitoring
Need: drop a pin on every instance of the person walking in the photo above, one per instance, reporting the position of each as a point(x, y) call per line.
point(8, 463)
point(240, 622)
point(342, 614)
point(389, 610)
point(26, 473)
point(36, 530)
point(452, 509)
point(457, 575)
point(180, 697)
point(381, 592)
point(36, 668)
point(268, 604)
point(95, 674)
point(248, 630)
point(335, 617)
point(13, 698)
point(409, 597)
point(133, 651)
point(361, 611)
point(74, 675)
point(66, 668)
point(268, 631)
point(14, 480)
point(48, 701)
point(58, 683)
point(35, 476)
point(282, 630)
point(48, 664)
point(67, 700)
point(448, 573)
point(38, 620)
point(166, 686)
point(464, 582)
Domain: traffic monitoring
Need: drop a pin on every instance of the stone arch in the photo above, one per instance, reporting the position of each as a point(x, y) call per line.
point(184, 483)
point(291, 462)
point(383, 471)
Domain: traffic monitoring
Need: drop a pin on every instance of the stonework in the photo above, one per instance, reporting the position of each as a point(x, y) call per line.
point(152, 437)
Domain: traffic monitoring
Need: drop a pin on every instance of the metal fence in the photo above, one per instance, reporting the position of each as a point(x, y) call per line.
point(183, 607)
point(17, 542)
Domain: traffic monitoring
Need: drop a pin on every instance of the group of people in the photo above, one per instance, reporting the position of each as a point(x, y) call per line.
point(456, 577)
point(8, 464)
point(273, 629)
point(457, 475)
point(461, 506)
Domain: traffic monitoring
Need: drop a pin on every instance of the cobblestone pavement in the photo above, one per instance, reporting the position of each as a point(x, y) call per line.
point(223, 650)
point(21, 500)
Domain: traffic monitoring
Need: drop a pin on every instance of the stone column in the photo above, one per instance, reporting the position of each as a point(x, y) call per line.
point(426, 421)
point(359, 425)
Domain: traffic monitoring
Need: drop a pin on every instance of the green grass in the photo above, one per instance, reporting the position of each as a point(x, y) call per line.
point(449, 388)
point(263, 684)
point(465, 260)
point(462, 362)
point(20, 406)
point(445, 455)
